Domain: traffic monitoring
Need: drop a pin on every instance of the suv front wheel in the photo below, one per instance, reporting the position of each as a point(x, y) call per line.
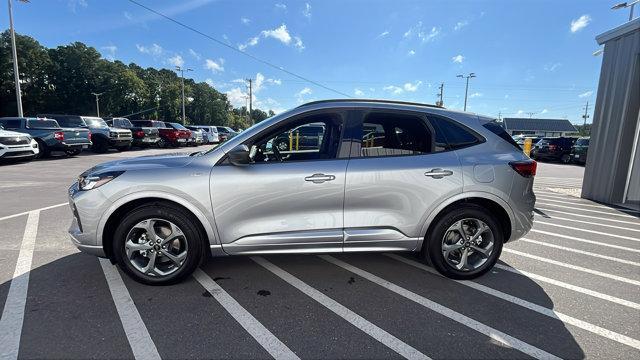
point(464, 243)
point(157, 244)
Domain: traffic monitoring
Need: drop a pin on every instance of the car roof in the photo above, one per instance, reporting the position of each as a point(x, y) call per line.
point(361, 101)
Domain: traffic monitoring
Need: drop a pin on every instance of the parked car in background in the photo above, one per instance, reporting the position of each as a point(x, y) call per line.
point(197, 136)
point(49, 135)
point(199, 133)
point(184, 134)
point(17, 145)
point(211, 133)
point(168, 135)
point(304, 137)
point(579, 150)
point(553, 149)
point(225, 133)
point(143, 137)
point(465, 189)
point(103, 137)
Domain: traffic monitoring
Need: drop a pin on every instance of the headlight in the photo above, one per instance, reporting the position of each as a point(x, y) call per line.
point(92, 181)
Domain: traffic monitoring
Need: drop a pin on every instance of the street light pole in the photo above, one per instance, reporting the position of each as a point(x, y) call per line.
point(97, 95)
point(466, 90)
point(15, 61)
point(623, 5)
point(182, 70)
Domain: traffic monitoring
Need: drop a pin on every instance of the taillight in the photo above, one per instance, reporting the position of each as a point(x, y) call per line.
point(58, 135)
point(140, 133)
point(526, 168)
point(89, 135)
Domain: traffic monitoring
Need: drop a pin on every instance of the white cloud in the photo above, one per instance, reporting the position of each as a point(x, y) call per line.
point(73, 5)
point(154, 49)
point(214, 66)
point(552, 67)
point(258, 82)
point(460, 24)
point(298, 43)
point(393, 89)
point(245, 20)
point(475, 95)
point(176, 60)
point(383, 34)
point(580, 23)
point(419, 32)
point(209, 82)
point(586, 94)
point(280, 33)
point(281, 6)
point(411, 52)
point(430, 36)
point(195, 54)
point(110, 51)
point(506, 96)
point(300, 94)
point(458, 59)
point(358, 92)
point(127, 15)
point(237, 97)
point(412, 87)
point(306, 12)
point(544, 111)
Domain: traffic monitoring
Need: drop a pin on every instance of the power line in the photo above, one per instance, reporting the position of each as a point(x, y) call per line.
point(238, 50)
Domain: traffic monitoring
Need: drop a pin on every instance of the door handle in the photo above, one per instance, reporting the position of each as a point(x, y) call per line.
point(438, 173)
point(319, 178)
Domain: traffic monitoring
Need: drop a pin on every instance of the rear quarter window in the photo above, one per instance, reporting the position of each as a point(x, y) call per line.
point(453, 135)
point(495, 128)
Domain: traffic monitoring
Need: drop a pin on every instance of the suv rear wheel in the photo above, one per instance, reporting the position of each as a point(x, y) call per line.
point(464, 243)
point(157, 244)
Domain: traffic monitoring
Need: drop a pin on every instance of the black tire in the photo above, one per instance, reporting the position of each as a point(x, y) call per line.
point(100, 145)
point(44, 151)
point(432, 251)
point(159, 210)
point(565, 159)
point(124, 148)
point(162, 143)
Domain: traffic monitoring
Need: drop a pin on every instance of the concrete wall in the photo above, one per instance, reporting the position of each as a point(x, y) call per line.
point(614, 133)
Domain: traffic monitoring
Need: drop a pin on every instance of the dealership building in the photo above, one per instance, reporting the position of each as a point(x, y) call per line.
point(539, 127)
point(612, 173)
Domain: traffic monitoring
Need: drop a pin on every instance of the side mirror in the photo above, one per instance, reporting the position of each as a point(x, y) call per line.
point(239, 155)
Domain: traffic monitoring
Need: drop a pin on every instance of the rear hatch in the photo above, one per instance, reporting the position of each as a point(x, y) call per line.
point(150, 134)
point(76, 136)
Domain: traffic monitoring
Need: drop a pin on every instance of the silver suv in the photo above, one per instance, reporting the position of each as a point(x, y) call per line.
point(382, 176)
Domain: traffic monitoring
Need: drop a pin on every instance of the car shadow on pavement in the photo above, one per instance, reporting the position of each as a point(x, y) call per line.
point(68, 299)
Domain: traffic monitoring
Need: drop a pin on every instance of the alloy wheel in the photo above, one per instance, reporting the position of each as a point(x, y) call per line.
point(467, 244)
point(156, 247)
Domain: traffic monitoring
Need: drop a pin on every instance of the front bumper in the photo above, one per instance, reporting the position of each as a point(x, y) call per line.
point(18, 151)
point(87, 208)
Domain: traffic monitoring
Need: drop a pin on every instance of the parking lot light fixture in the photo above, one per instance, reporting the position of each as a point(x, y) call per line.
point(97, 95)
point(14, 53)
point(624, 5)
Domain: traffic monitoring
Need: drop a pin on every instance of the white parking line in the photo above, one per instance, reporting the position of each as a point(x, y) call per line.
point(13, 312)
point(27, 212)
point(548, 198)
point(589, 210)
point(494, 334)
point(572, 267)
point(356, 320)
point(589, 231)
point(138, 336)
point(611, 335)
point(587, 222)
point(261, 334)
point(588, 216)
point(571, 287)
point(593, 242)
point(611, 258)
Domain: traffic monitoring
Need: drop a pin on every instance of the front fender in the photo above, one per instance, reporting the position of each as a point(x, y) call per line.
point(208, 224)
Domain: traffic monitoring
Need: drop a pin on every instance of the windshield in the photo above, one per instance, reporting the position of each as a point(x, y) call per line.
point(159, 124)
point(95, 122)
point(178, 126)
point(582, 142)
point(125, 123)
point(70, 121)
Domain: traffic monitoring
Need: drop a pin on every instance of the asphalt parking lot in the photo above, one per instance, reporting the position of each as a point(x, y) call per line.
point(570, 289)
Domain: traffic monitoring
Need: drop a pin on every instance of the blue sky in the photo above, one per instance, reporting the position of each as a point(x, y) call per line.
point(529, 56)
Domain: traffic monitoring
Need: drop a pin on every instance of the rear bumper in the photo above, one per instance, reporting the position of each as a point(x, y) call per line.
point(145, 141)
point(63, 146)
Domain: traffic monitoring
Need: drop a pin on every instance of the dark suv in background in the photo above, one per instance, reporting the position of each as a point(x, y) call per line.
point(102, 136)
point(579, 150)
point(143, 136)
point(553, 149)
point(168, 135)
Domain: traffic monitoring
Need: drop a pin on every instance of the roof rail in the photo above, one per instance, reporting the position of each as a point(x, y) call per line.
point(381, 101)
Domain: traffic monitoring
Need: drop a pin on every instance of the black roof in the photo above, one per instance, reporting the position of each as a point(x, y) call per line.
point(526, 124)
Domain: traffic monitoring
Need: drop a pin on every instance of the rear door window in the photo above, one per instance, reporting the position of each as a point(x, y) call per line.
point(10, 124)
point(395, 134)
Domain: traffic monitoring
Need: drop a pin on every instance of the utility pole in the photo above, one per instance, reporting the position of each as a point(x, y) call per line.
point(466, 91)
point(530, 114)
point(499, 115)
point(250, 100)
point(182, 70)
point(97, 95)
point(440, 94)
point(14, 52)
point(586, 115)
